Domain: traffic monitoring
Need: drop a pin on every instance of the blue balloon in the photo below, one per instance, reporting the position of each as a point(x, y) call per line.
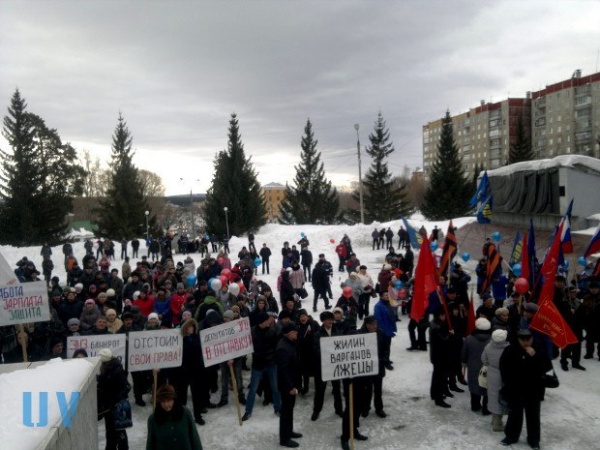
point(433, 246)
point(516, 269)
point(398, 284)
point(496, 236)
point(257, 261)
point(191, 280)
point(465, 257)
point(207, 237)
point(582, 261)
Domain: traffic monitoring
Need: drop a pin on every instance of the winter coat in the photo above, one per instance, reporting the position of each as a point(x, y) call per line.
point(112, 384)
point(115, 326)
point(306, 257)
point(287, 290)
point(288, 366)
point(386, 320)
point(163, 309)
point(88, 318)
point(350, 308)
point(356, 286)
point(384, 278)
point(265, 342)
point(320, 275)
point(439, 344)
point(70, 310)
point(306, 334)
point(173, 430)
point(297, 277)
point(265, 253)
point(522, 374)
point(471, 357)
point(210, 302)
point(491, 357)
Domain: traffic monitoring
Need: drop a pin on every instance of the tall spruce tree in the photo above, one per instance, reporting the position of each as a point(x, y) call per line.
point(312, 199)
point(383, 198)
point(122, 210)
point(39, 179)
point(235, 186)
point(521, 149)
point(449, 189)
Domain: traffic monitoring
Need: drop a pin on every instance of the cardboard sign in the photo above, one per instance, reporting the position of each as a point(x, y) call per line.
point(154, 349)
point(116, 343)
point(226, 341)
point(349, 356)
point(24, 303)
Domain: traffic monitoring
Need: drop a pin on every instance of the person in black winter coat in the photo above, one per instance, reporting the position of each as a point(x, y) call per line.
point(374, 384)
point(112, 388)
point(321, 281)
point(522, 369)
point(191, 369)
point(265, 255)
point(288, 382)
point(287, 290)
point(306, 261)
point(307, 328)
point(439, 352)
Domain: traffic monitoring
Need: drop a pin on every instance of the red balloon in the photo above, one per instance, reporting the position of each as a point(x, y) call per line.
point(332, 241)
point(224, 279)
point(521, 285)
point(347, 292)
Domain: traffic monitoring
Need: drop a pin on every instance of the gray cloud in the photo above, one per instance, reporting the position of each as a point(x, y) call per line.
point(178, 69)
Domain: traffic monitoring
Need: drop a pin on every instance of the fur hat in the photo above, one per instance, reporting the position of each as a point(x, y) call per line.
point(228, 315)
point(165, 392)
point(152, 316)
point(337, 309)
point(288, 328)
point(499, 335)
point(110, 293)
point(325, 315)
point(105, 355)
point(502, 312)
point(483, 324)
point(531, 307)
point(73, 321)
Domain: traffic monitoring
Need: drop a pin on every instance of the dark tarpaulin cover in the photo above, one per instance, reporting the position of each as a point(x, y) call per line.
point(526, 192)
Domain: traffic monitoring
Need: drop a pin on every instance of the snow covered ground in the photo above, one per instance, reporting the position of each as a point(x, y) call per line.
point(570, 414)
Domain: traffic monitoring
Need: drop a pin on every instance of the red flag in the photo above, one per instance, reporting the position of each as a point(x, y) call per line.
point(548, 319)
point(525, 266)
point(426, 281)
point(471, 317)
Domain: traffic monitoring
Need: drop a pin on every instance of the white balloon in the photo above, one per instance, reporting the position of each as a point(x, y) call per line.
point(216, 284)
point(234, 289)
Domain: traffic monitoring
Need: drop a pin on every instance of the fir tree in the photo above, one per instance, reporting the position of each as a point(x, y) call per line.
point(123, 208)
point(521, 149)
point(383, 198)
point(39, 179)
point(235, 186)
point(312, 199)
point(448, 193)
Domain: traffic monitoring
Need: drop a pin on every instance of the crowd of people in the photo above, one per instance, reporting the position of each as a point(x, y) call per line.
point(98, 298)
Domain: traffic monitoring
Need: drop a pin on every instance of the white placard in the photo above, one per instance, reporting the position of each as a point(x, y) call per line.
point(24, 303)
point(349, 356)
point(226, 341)
point(116, 343)
point(154, 349)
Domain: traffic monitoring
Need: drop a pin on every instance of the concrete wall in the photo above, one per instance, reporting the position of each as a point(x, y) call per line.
point(584, 187)
point(83, 434)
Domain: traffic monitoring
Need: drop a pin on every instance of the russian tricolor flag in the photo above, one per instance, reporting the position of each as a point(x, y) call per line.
point(565, 231)
point(594, 246)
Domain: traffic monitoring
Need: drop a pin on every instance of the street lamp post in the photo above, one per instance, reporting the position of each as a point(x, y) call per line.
point(147, 213)
point(226, 220)
point(192, 211)
point(360, 183)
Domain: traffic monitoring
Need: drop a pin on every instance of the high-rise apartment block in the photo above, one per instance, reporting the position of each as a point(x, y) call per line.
point(563, 118)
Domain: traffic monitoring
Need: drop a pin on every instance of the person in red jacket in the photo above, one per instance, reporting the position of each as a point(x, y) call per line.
point(342, 253)
point(177, 301)
point(144, 301)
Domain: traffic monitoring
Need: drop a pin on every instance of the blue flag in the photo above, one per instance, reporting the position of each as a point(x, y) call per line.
point(482, 192)
point(484, 214)
point(517, 251)
point(415, 237)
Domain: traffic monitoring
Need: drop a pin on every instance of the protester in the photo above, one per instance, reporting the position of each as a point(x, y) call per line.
point(491, 358)
point(171, 426)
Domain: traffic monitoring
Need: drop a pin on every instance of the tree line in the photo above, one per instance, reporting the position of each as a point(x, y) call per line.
point(41, 175)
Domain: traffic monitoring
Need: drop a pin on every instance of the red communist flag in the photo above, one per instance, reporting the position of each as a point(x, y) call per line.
point(426, 281)
point(548, 319)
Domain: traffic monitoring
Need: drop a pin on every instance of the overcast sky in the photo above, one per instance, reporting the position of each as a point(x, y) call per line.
point(178, 69)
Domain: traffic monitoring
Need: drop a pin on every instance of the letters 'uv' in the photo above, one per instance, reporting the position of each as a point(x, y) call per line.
point(67, 408)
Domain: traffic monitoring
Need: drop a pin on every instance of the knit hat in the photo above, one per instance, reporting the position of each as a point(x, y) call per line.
point(228, 314)
point(180, 286)
point(483, 324)
point(136, 294)
point(337, 309)
point(73, 321)
point(531, 307)
point(165, 392)
point(288, 328)
point(79, 286)
point(261, 317)
point(111, 312)
point(499, 335)
point(152, 316)
point(387, 267)
point(502, 312)
point(105, 355)
point(285, 314)
point(111, 293)
point(90, 301)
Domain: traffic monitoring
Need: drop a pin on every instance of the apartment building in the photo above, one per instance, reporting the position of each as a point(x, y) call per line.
point(274, 194)
point(563, 118)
